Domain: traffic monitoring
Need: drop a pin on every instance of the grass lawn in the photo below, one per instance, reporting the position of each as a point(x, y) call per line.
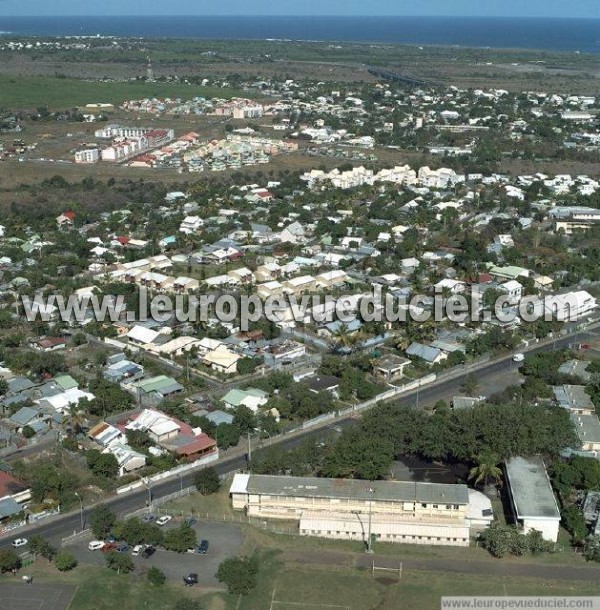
point(215, 504)
point(20, 92)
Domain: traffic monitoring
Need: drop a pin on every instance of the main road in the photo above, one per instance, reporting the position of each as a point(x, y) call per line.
point(491, 377)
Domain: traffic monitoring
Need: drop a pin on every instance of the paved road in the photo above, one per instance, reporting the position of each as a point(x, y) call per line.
point(497, 374)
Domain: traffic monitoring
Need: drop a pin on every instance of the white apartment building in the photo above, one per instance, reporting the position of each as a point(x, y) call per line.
point(90, 155)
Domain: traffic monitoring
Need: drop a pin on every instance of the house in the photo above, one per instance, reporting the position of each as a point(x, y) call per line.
point(14, 496)
point(160, 386)
point(431, 355)
point(576, 368)
point(216, 417)
point(587, 426)
point(391, 367)
point(322, 383)
point(300, 285)
point(63, 401)
point(252, 398)
point(531, 495)
point(191, 225)
point(569, 306)
point(127, 458)
point(140, 335)
point(49, 344)
point(221, 360)
point(159, 426)
point(123, 370)
point(513, 291)
point(451, 286)
point(66, 221)
point(574, 398)
point(293, 234)
point(104, 434)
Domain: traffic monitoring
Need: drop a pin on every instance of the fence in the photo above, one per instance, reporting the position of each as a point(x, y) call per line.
point(75, 536)
point(287, 529)
point(169, 473)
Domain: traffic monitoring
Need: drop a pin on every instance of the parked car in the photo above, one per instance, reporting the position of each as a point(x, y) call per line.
point(122, 548)
point(163, 520)
point(191, 521)
point(190, 580)
point(96, 545)
point(138, 549)
point(518, 357)
point(19, 542)
point(148, 518)
point(203, 548)
point(148, 552)
point(108, 547)
point(111, 539)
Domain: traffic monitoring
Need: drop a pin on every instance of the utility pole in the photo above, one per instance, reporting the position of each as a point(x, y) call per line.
point(80, 510)
point(249, 448)
point(370, 491)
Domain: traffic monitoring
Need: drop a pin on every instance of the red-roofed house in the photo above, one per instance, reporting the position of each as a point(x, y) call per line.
point(66, 221)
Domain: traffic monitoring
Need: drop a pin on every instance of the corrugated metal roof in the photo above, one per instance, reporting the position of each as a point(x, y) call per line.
point(434, 493)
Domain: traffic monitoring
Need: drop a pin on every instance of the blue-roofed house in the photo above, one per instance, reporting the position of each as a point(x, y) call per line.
point(431, 355)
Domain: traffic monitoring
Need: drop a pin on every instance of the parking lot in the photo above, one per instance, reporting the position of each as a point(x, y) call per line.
point(23, 596)
point(225, 540)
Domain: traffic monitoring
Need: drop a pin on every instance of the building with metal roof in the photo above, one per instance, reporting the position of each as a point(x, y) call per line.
point(532, 497)
point(410, 512)
point(574, 398)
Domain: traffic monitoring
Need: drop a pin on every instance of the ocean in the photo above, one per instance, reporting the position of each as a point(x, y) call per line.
point(581, 35)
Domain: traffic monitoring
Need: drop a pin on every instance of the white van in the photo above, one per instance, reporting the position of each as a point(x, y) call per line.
point(137, 549)
point(96, 545)
point(518, 357)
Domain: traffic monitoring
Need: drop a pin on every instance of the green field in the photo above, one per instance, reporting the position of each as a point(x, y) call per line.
point(30, 92)
point(293, 586)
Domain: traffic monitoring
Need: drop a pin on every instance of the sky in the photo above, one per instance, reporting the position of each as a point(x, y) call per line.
point(473, 8)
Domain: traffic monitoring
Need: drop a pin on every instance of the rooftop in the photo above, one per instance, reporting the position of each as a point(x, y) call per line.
point(383, 491)
point(530, 488)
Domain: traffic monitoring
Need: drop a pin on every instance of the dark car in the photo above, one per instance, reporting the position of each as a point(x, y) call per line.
point(122, 548)
point(190, 580)
point(111, 539)
point(203, 548)
point(148, 518)
point(148, 552)
point(191, 521)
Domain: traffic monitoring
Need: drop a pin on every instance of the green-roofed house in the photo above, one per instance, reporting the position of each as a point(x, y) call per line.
point(252, 398)
point(161, 386)
point(510, 272)
point(66, 382)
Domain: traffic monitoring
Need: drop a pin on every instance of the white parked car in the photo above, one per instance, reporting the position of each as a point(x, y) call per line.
point(518, 357)
point(163, 520)
point(19, 542)
point(96, 545)
point(137, 549)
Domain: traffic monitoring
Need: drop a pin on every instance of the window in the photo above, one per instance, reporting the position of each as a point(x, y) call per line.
point(456, 507)
point(448, 506)
point(435, 506)
point(423, 505)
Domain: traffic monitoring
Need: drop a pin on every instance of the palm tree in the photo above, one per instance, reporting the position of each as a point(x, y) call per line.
point(486, 469)
point(74, 419)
